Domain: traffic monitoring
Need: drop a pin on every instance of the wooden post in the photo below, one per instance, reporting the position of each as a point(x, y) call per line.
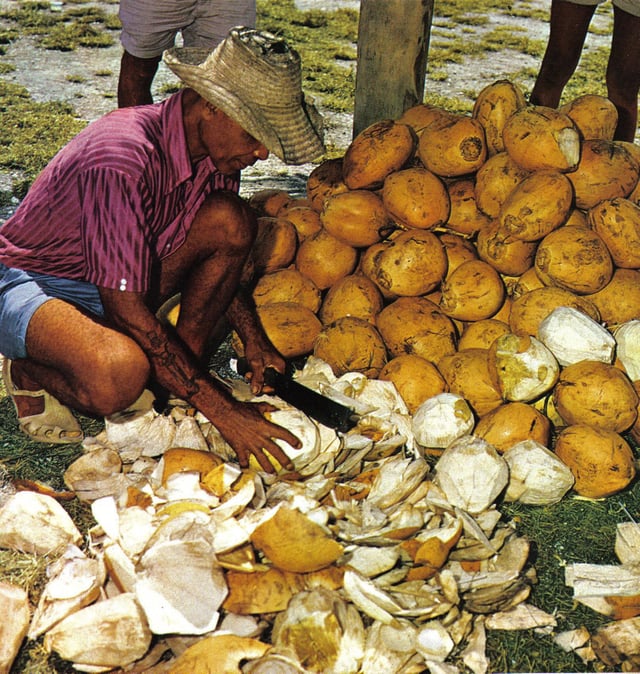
point(393, 43)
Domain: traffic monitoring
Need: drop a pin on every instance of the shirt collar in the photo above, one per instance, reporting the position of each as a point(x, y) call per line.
point(174, 141)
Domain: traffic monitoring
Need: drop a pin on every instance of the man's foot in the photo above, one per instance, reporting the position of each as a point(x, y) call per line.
point(41, 416)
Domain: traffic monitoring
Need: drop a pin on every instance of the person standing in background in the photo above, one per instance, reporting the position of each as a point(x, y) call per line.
point(151, 26)
point(569, 23)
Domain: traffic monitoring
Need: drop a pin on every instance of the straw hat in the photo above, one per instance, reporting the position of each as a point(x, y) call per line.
point(255, 79)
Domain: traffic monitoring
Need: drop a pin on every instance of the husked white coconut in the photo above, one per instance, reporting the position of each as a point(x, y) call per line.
point(627, 337)
point(36, 523)
point(523, 366)
point(573, 336)
point(14, 602)
point(536, 475)
point(471, 474)
point(106, 635)
point(442, 419)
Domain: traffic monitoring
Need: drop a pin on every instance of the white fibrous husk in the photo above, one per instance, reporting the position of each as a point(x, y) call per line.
point(371, 561)
point(433, 642)
point(536, 475)
point(471, 474)
point(627, 545)
point(521, 617)
point(96, 474)
point(474, 655)
point(442, 419)
point(602, 587)
point(305, 429)
point(179, 583)
point(396, 479)
point(573, 336)
point(74, 582)
point(627, 338)
point(108, 634)
point(36, 523)
point(146, 433)
point(525, 368)
point(323, 631)
point(389, 648)
point(14, 602)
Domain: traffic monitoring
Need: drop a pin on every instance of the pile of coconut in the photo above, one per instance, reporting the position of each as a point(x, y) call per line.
point(468, 285)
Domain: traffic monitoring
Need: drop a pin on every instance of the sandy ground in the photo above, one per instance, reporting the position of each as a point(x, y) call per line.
point(87, 79)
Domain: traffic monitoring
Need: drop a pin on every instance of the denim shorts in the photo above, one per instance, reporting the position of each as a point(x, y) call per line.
point(22, 292)
point(150, 26)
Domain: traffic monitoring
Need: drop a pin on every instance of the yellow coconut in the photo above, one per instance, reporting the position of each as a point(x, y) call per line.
point(275, 245)
point(287, 285)
point(186, 459)
point(539, 138)
point(597, 394)
point(574, 258)
point(503, 252)
point(413, 263)
point(513, 422)
point(493, 106)
point(416, 198)
point(530, 309)
point(634, 431)
point(325, 259)
point(458, 249)
point(524, 283)
point(595, 116)
point(606, 170)
point(357, 218)
point(481, 334)
point(353, 295)
point(416, 379)
point(268, 202)
point(305, 219)
point(291, 327)
point(419, 116)
point(380, 149)
point(464, 215)
point(467, 374)
point(453, 145)
point(617, 221)
point(473, 291)
point(577, 217)
point(415, 325)
point(619, 301)
point(538, 205)
point(495, 180)
point(601, 461)
point(324, 181)
point(351, 344)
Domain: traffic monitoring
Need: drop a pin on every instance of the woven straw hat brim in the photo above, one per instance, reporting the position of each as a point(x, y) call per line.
point(272, 110)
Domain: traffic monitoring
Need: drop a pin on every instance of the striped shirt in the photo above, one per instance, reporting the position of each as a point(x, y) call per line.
point(119, 197)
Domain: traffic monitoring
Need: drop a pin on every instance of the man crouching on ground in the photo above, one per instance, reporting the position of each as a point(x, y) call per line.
point(141, 205)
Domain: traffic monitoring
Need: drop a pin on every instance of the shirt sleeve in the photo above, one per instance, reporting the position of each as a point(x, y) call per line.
point(114, 234)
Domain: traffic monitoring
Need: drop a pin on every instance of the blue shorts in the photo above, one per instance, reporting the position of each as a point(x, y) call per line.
point(22, 292)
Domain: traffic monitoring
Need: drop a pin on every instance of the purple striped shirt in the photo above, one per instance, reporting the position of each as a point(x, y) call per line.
point(120, 196)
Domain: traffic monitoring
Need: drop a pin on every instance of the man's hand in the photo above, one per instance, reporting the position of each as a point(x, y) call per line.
point(249, 432)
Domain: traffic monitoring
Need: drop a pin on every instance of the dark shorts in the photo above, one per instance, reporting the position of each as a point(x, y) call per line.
point(23, 292)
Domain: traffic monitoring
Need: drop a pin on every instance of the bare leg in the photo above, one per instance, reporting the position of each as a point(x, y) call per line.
point(83, 363)
point(568, 28)
point(136, 76)
point(208, 268)
point(623, 72)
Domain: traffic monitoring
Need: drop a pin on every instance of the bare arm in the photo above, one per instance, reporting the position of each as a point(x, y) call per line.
point(243, 425)
point(259, 352)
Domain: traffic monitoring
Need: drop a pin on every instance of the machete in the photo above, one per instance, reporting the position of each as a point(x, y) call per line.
point(325, 410)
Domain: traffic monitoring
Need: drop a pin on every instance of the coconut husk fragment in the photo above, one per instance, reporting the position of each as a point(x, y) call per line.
point(14, 602)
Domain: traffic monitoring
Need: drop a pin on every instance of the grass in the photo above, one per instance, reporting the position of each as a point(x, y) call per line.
point(573, 530)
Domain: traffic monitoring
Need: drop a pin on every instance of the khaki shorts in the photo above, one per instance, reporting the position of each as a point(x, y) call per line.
point(150, 26)
point(628, 6)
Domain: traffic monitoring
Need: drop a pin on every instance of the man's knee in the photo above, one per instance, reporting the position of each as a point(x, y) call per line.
point(234, 221)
